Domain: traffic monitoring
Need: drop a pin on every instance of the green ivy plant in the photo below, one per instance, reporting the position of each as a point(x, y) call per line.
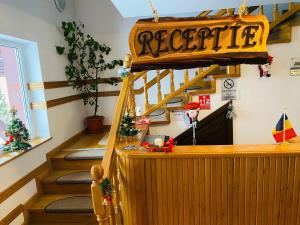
point(86, 62)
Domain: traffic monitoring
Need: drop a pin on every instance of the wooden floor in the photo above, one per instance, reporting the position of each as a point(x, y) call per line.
point(53, 191)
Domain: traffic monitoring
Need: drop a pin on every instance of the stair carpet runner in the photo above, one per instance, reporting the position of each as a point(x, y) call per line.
point(67, 197)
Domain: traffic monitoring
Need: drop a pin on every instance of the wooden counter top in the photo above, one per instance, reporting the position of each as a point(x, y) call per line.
point(215, 150)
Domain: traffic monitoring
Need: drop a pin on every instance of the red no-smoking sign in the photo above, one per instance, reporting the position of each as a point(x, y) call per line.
point(204, 101)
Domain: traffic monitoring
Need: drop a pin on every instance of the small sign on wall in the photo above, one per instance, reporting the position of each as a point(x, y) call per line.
point(204, 101)
point(229, 89)
point(295, 66)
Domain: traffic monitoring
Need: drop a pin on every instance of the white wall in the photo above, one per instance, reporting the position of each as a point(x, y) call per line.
point(38, 21)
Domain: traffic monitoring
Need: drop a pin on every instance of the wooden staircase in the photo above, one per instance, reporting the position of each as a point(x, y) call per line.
point(65, 190)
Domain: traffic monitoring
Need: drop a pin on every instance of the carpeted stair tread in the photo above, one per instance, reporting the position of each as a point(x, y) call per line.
point(82, 177)
point(74, 204)
point(85, 155)
point(157, 112)
point(174, 101)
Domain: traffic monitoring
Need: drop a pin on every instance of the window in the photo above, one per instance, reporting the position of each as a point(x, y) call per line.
point(19, 65)
point(11, 88)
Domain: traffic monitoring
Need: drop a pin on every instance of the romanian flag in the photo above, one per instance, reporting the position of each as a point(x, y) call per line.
point(284, 127)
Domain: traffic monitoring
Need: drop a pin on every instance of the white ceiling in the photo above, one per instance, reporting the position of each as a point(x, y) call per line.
point(141, 8)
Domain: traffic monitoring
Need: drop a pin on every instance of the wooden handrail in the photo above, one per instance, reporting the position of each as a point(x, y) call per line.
point(113, 134)
point(181, 89)
point(152, 82)
point(285, 16)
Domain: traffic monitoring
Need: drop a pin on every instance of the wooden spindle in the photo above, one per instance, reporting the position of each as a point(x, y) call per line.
point(261, 10)
point(146, 91)
point(199, 70)
point(276, 14)
point(116, 194)
point(246, 10)
point(186, 76)
point(159, 95)
point(132, 97)
point(230, 11)
point(172, 85)
point(291, 5)
point(100, 210)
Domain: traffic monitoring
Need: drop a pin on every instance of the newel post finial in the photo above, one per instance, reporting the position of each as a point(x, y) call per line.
point(127, 61)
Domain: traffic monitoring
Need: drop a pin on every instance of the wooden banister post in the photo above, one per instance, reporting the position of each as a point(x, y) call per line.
point(172, 85)
point(186, 76)
point(276, 12)
point(100, 210)
point(116, 194)
point(159, 96)
point(291, 5)
point(146, 91)
point(261, 10)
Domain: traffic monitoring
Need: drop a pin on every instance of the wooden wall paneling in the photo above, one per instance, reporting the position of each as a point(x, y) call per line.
point(242, 171)
point(202, 189)
point(207, 190)
point(271, 195)
point(283, 190)
point(149, 196)
point(181, 191)
point(213, 190)
point(210, 190)
point(230, 189)
point(175, 193)
point(164, 191)
point(290, 186)
point(265, 180)
point(160, 212)
point(224, 191)
point(296, 189)
point(169, 192)
point(196, 183)
point(154, 191)
point(277, 189)
point(236, 190)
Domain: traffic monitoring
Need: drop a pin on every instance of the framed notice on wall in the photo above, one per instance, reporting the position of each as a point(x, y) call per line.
point(295, 66)
point(204, 101)
point(229, 89)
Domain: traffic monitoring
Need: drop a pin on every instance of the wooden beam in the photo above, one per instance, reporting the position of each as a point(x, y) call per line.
point(65, 83)
point(60, 101)
point(181, 89)
point(23, 181)
point(12, 215)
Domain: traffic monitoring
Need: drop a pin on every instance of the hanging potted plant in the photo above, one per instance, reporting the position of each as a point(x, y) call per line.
point(86, 63)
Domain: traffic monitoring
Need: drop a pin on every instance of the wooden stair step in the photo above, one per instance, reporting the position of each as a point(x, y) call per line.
point(76, 159)
point(67, 182)
point(63, 208)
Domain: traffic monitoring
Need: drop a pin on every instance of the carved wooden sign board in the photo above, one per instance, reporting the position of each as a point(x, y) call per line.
point(180, 43)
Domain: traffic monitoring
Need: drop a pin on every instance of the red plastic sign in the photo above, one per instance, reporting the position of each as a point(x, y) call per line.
point(204, 101)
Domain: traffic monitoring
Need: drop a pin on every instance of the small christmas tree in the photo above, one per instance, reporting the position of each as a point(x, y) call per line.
point(127, 127)
point(17, 133)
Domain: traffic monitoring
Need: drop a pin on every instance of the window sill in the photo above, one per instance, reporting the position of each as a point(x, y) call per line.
point(9, 156)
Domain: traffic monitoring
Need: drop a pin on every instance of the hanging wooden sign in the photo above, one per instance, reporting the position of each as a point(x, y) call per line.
point(181, 43)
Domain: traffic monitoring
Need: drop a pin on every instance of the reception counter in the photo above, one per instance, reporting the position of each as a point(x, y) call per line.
point(210, 185)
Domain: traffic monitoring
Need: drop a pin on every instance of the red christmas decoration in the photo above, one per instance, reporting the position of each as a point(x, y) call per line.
point(264, 70)
point(167, 146)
